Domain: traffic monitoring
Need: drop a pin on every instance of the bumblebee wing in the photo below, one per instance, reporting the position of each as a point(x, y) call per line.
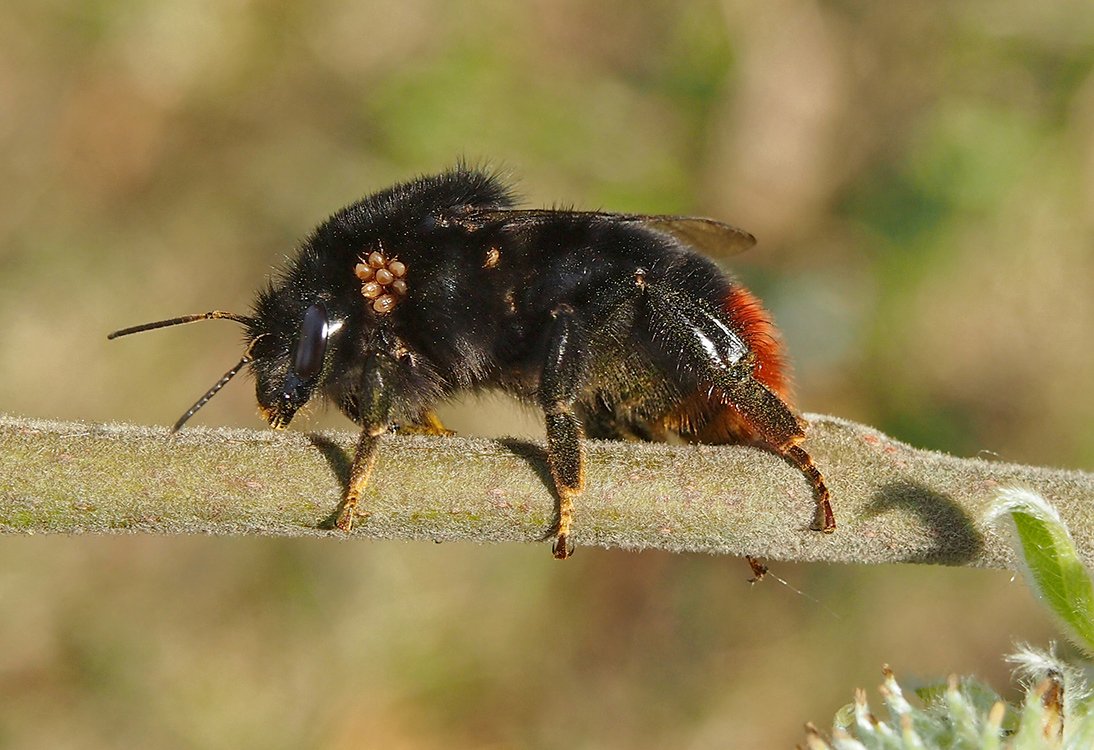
point(707, 235)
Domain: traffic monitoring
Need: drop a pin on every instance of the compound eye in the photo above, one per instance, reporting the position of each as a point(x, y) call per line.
point(313, 342)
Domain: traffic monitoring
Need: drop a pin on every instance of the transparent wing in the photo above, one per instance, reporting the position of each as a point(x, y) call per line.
point(707, 235)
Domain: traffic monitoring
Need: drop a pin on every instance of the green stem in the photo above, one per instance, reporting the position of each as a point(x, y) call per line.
point(893, 503)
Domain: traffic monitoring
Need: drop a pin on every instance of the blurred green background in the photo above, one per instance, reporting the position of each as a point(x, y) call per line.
point(921, 180)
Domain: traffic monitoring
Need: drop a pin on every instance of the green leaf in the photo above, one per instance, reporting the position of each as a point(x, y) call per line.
point(1054, 567)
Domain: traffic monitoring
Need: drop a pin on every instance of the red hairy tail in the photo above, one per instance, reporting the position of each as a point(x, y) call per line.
point(755, 326)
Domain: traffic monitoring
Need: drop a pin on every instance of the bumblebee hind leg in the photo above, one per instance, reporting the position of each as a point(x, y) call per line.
point(798, 455)
point(721, 360)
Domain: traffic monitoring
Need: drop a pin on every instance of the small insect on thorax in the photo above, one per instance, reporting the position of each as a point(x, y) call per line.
point(615, 325)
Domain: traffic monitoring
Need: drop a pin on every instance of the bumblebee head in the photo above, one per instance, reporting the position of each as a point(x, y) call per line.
point(292, 353)
point(287, 351)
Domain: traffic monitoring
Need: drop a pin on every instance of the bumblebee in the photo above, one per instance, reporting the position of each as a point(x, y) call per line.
point(615, 325)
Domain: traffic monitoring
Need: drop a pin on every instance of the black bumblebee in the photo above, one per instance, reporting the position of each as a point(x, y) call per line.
point(613, 324)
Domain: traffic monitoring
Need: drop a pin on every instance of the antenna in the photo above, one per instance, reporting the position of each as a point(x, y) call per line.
point(211, 315)
point(213, 391)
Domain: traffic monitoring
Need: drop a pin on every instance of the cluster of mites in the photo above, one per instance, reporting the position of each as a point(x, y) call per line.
point(382, 281)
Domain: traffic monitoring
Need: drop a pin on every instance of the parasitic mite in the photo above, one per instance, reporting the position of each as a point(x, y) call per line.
point(615, 325)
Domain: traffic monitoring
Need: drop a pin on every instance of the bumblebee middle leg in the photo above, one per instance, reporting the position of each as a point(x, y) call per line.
point(562, 372)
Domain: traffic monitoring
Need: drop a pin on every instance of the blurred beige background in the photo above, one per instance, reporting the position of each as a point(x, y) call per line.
point(921, 180)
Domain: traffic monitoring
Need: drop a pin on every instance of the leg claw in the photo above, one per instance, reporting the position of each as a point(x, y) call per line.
point(562, 547)
point(347, 516)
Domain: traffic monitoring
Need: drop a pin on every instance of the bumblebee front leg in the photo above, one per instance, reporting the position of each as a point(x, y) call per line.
point(374, 401)
point(558, 388)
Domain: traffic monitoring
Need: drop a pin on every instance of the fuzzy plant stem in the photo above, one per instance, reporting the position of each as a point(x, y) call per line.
point(893, 503)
